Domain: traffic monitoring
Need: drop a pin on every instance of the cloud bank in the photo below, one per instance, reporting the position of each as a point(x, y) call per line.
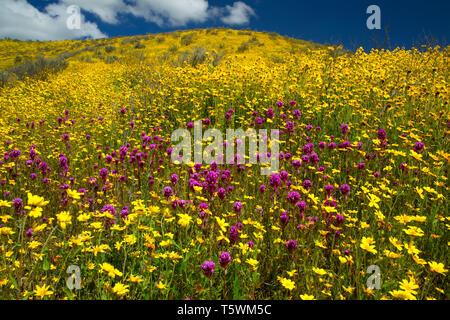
point(21, 20)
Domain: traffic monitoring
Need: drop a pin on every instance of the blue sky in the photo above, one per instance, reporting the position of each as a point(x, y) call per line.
point(326, 21)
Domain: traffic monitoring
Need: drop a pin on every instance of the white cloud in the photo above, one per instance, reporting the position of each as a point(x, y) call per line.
point(106, 10)
point(20, 20)
point(172, 13)
point(238, 14)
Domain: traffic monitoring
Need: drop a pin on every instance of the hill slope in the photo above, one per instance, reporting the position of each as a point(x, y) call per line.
point(87, 176)
point(174, 43)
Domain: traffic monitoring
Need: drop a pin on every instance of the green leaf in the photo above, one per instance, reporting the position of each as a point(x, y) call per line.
point(236, 288)
point(46, 265)
point(14, 282)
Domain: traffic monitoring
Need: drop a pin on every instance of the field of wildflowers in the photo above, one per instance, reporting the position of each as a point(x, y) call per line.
point(86, 177)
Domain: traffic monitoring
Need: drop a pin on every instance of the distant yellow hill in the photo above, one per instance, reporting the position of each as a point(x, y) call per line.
point(165, 45)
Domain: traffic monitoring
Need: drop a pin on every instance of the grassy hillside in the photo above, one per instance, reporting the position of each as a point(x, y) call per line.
point(153, 45)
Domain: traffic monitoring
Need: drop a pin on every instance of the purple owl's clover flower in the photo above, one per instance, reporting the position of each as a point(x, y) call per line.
point(237, 206)
point(344, 128)
point(233, 234)
point(224, 259)
point(293, 197)
point(291, 245)
point(208, 268)
point(18, 205)
point(419, 146)
point(381, 134)
point(167, 191)
point(29, 232)
point(284, 219)
point(345, 190)
point(339, 219)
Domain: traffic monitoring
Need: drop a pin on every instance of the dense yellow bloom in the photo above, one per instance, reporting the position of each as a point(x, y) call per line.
point(161, 285)
point(409, 286)
point(198, 189)
point(253, 263)
point(349, 289)
point(222, 224)
point(129, 239)
point(287, 283)
point(84, 217)
point(35, 212)
point(368, 244)
point(411, 248)
point(396, 243)
point(34, 244)
point(307, 297)
point(112, 272)
point(6, 231)
point(401, 294)
point(4, 203)
point(414, 231)
point(36, 201)
point(120, 289)
point(43, 291)
point(373, 201)
point(419, 260)
point(403, 219)
point(125, 96)
point(135, 279)
point(73, 194)
point(391, 254)
point(64, 218)
point(319, 271)
point(96, 225)
point(100, 249)
point(173, 255)
point(184, 220)
point(345, 259)
point(292, 273)
point(437, 267)
point(320, 244)
point(165, 243)
point(420, 192)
